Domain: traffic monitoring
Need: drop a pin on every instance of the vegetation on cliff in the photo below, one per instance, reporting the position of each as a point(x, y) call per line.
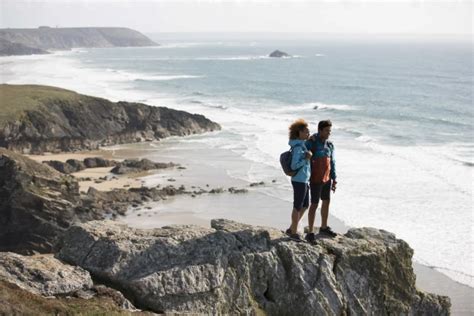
point(35, 119)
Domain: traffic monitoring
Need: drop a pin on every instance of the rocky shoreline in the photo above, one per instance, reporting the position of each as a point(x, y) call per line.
point(228, 268)
point(59, 242)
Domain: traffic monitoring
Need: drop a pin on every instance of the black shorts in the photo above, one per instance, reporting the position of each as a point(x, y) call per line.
point(300, 195)
point(320, 191)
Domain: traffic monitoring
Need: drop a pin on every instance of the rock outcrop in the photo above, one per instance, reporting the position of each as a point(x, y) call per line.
point(36, 204)
point(234, 268)
point(70, 166)
point(98, 162)
point(135, 165)
point(279, 54)
point(74, 165)
point(37, 41)
point(36, 119)
point(43, 274)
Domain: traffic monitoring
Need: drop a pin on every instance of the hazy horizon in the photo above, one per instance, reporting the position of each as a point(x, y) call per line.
point(395, 17)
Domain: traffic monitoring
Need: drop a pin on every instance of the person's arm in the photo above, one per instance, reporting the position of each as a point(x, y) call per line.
point(333, 164)
point(333, 170)
point(298, 157)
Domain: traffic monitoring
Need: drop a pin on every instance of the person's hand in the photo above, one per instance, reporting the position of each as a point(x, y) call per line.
point(309, 154)
point(333, 186)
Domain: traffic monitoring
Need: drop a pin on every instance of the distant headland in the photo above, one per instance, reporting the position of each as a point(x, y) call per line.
point(44, 38)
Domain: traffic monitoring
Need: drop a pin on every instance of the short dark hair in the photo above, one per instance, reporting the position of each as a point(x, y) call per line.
point(296, 127)
point(323, 124)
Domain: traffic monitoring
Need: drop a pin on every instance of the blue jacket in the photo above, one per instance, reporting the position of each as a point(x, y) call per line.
point(299, 161)
point(322, 149)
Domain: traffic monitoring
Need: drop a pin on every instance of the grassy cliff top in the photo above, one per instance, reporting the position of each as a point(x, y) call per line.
point(15, 99)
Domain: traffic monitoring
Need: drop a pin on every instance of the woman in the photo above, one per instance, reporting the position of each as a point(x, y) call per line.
point(300, 163)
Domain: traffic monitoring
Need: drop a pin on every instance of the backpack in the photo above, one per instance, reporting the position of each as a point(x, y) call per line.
point(285, 162)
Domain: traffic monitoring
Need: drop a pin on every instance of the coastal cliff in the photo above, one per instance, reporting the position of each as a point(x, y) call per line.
point(48, 38)
point(228, 268)
point(8, 48)
point(36, 119)
point(243, 269)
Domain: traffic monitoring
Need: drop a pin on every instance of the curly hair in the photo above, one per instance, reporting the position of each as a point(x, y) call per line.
point(296, 127)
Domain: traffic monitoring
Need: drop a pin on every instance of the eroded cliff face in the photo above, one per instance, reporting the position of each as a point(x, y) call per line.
point(242, 269)
point(74, 122)
point(8, 48)
point(36, 204)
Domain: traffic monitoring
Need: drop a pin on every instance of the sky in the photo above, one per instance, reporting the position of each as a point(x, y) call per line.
point(323, 16)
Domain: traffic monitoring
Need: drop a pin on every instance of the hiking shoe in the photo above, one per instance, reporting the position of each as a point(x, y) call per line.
point(288, 231)
point(295, 237)
point(310, 238)
point(327, 231)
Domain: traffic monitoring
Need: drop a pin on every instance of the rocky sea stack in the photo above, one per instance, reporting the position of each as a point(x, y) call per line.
point(36, 119)
point(279, 54)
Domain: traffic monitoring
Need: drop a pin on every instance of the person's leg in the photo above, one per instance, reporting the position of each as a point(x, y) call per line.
point(324, 213)
point(325, 197)
point(315, 196)
point(299, 204)
point(295, 217)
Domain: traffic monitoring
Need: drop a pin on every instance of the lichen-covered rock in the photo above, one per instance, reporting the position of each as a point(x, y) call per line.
point(43, 274)
point(242, 269)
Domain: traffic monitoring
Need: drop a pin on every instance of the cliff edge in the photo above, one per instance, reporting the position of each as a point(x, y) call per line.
point(37, 119)
point(243, 269)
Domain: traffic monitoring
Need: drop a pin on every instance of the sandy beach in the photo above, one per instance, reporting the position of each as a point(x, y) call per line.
point(254, 207)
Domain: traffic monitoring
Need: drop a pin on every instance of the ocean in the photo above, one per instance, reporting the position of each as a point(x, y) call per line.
point(402, 114)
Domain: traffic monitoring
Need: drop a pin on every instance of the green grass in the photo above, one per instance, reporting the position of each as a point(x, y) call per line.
point(15, 99)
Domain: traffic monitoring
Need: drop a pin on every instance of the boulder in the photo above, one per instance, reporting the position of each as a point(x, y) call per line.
point(68, 167)
point(43, 274)
point(238, 268)
point(98, 162)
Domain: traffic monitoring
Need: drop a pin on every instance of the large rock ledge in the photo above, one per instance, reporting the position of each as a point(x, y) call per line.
point(37, 119)
point(241, 269)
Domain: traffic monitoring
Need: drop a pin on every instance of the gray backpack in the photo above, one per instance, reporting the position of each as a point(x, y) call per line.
point(285, 162)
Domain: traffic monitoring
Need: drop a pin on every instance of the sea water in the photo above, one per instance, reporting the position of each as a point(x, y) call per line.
point(402, 114)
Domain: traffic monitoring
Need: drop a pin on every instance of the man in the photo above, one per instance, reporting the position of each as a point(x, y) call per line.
point(323, 178)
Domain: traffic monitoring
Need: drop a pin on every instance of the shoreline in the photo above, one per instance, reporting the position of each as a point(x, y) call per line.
point(202, 177)
point(185, 210)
